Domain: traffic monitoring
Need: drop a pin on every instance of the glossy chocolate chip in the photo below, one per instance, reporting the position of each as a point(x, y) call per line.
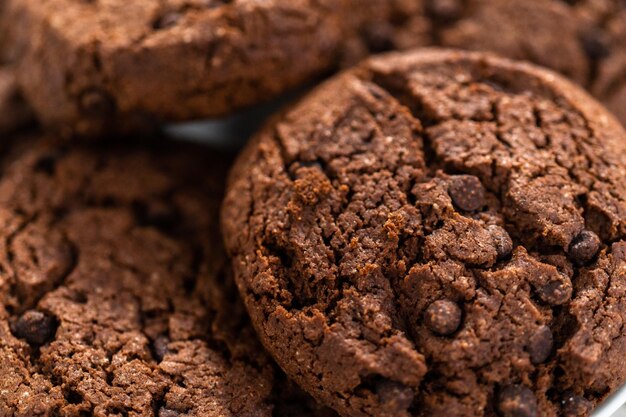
point(35, 327)
point(95, 103)
point(501, 240)
point(540, 345)
point(164, 412)
point(517, 401)
point(555, 292)
point(395, 396)
point(443, 317)
point(467, 192)
point(584, 247)
point(160, 347)
point(167, 20)
point(575, 405)
point(445, 10)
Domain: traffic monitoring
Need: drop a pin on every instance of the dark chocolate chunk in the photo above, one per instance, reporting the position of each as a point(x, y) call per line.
point(467, 193)
point(164, 412)
point(540, 344)
point(575, 405)
point(555, 292)
point(395, 396)
point(97, 104)
point(502, 241)
point(445, 10)
point(35, 327)
point(584, 247)
point(160, 347)
point(517, 401)
point(443, 317)
point(167, 20)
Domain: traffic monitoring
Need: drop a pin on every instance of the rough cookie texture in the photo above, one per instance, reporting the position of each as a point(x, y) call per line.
point(607, 42)
point(85, 64)
point(114, 296)
point(14, 112)
point(93, 65)
point(438, 233)
point(584, 40)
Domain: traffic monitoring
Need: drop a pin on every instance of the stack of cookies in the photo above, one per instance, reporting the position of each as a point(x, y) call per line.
point(438, 228)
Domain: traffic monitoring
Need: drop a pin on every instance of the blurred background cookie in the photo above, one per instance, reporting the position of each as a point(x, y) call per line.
point(115, 298)
point(93, 67)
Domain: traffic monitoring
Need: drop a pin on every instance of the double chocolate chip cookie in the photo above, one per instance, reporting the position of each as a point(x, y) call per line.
point(438, 233)
point(584, 40)
point(92, 66)
point(87, 64)
point(607, 42)
point(114, 295)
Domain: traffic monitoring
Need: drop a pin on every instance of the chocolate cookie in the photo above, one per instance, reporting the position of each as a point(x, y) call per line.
point(438, 233)
point(87, 64)
point(584, 40)
point(87, 67)
point(524, 30)
point(14, 112)
point(608, 42)
point(114, 296)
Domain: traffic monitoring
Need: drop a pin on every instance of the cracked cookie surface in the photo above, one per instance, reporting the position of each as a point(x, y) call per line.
point(87, 63)
point(587, 45)
point(87, 66)
point(438, 233)
point(114, 295)
point(607, 42)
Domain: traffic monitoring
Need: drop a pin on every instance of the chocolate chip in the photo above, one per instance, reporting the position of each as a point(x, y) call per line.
point(575, 405)
point(443, 317)
point(35, 327)
point(584, 247)
point(311, 164)
point(555, 292)
point(467, 192)
point(445, 10)
point(540, 345)
point(517, 401)
point(501, 240)
point(158, 214)
point(379, 38)
point(167, 20)
point(164, 412)
point(596, 44)
point(96, 103)
point(160, 347)
point(46, 164)
point(395, 396)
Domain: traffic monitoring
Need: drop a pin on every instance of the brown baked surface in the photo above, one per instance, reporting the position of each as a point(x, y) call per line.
point(86, 64)
point(114, 295)
point(438, 233)
point(93, 66)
